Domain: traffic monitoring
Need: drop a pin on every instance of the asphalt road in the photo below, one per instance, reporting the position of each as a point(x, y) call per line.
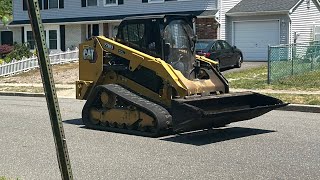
point(278, 145)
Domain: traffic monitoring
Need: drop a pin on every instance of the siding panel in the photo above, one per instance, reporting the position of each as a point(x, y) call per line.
point(73, 9)
point(73, 35)
point(225, 6)
point(303, 20)
point(17, 34)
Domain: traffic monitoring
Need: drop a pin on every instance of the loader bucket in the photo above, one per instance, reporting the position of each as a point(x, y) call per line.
point(197, 113)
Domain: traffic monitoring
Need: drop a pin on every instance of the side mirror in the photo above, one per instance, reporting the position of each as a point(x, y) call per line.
point(234, 47)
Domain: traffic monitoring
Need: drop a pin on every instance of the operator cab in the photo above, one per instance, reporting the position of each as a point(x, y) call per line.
point(169, 37)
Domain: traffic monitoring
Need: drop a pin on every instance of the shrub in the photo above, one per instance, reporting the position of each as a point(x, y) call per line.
point(1, 61)
point(20, 50)
point(5, 49)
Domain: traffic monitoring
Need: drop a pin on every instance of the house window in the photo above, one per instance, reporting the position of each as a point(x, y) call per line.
point(53, 4)
point(92, 30)
point(25, 8)
point(53, 39)
point(30, 40)
point(92, 3)
point(111, 2)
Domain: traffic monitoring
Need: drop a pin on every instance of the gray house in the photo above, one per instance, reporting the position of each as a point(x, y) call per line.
point(249, 24)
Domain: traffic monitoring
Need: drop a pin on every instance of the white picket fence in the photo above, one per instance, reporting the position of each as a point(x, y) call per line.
point(26, 64)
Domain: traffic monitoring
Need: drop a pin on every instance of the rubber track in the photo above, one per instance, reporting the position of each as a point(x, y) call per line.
point(162, 116)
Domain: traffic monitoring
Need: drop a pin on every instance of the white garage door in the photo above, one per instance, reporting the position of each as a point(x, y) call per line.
point(253, 38)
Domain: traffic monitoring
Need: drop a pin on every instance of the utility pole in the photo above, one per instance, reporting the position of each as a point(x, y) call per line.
point(50, 90)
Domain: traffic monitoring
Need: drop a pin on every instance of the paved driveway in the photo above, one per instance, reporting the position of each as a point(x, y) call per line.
point(245, 65)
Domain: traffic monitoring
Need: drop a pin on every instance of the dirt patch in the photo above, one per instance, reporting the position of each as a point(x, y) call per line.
point(62, 74)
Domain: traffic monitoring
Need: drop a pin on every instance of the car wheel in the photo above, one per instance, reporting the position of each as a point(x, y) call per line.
point(239, 61)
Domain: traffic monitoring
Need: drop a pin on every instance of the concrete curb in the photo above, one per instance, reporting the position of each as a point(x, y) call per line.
point(290, 107)
point(24, 94)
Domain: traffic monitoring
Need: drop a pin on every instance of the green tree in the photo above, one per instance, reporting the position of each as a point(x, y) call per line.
point(5, 11)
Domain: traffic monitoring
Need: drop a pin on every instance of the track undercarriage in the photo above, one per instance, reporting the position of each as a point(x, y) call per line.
point(114, 108)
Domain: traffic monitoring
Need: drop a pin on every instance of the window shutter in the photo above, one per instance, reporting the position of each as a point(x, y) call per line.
point(83, 3)
point(63, 37)
point(40, 4)
point(45, 4)
point(120, 1)
point(22, 35)
point(95, 29)
point(61, 4)
point(25, 5)
point(144, 1)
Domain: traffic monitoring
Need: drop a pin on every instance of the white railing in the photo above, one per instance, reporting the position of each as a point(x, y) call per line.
point(26, 64)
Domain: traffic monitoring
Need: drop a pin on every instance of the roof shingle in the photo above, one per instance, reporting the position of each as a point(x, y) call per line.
point(252, 6)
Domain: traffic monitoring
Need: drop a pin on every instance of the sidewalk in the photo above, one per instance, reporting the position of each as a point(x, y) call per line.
point(68, 91)
point(36, 85)
point(63, 90)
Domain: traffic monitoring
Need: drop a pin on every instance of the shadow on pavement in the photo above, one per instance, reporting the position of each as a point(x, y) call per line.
point(74, 121)
point(204, 137)
point(201, 137)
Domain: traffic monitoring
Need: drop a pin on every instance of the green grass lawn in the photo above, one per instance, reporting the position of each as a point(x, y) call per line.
point(281, 69)
point(256, 78)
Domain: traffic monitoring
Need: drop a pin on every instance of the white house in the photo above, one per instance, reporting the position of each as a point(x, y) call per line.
point(249, 24)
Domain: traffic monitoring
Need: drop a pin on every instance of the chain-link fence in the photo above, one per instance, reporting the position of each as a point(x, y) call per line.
point(292, 59)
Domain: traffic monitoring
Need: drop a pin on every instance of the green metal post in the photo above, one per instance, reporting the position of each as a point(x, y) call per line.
point(49, 89)
point(269, 64)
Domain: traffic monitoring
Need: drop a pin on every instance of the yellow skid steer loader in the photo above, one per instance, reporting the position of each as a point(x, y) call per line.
point(148, 81)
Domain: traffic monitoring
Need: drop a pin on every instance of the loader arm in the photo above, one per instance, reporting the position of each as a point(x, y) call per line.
point(91, 71)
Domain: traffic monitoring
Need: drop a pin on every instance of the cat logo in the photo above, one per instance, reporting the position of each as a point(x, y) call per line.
point(89, 54)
